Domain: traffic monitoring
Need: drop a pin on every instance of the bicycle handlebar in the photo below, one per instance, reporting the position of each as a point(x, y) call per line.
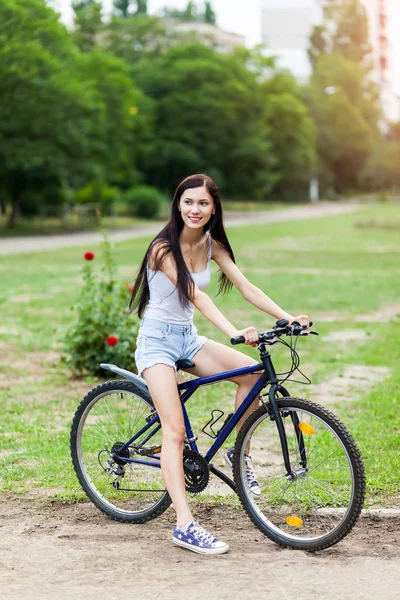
point(282, 327)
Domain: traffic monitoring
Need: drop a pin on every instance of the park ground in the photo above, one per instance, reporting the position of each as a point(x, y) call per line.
point(344, 271)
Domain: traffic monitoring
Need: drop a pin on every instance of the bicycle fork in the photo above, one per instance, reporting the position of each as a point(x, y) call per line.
point(277, 417)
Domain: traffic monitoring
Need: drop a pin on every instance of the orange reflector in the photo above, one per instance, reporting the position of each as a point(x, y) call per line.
point(157, 450)
point(306, 428)
point(294, 521)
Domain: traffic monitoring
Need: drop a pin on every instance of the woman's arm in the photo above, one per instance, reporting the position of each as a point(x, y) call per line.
point(250, 292)
point(207, 307)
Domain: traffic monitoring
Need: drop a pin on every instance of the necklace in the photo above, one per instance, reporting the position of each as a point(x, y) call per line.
point(191, 252)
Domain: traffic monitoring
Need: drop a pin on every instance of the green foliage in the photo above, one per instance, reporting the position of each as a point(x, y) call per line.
point(190, 12)
point(122, 7)
point(345, 31)
point(100, 312)
point(347, 118)
point(141, 7)
point(209, 13)
point(144, 201)
point(292, 136)
point(102, 195)
point(88, 97)
point(381, 171)
point(88, 25)
point(135, 37)
point(343, 99)
point(79, 5)
point(208, 111)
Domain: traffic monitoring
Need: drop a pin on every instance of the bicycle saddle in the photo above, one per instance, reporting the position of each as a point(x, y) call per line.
point(184, 363)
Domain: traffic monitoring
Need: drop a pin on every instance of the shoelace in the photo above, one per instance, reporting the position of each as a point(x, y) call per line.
point(202, 535)
point(251, 478)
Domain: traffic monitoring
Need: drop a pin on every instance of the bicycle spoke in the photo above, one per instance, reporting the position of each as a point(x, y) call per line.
point(310, 504)
point(108, 423)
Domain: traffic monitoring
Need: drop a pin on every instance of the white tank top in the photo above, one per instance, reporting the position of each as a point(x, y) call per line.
point(164, 304)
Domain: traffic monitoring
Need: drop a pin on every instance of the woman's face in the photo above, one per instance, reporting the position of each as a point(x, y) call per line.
point(196, 207)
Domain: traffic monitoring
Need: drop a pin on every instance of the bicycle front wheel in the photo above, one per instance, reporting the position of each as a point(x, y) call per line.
point(318, 504)
point(107, 418)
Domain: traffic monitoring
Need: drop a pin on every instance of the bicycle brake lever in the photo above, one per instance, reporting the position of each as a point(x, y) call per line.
point(270, 342)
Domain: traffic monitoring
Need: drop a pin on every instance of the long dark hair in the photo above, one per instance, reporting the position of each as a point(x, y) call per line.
point(167, 242)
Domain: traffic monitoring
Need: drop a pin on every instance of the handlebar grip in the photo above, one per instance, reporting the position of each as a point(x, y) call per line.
point(297, 324)
point(282, 323)
point(237, 340)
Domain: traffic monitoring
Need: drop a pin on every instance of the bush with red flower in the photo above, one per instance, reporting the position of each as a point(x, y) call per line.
point(102, 329)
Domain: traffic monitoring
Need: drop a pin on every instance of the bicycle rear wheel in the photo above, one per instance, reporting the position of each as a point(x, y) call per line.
point(106, 419)
point(321, 504)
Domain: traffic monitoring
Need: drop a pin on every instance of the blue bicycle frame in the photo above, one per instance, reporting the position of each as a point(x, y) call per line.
point(187, 389)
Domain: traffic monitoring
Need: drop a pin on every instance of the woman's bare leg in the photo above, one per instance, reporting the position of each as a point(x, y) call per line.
point(215, 358)
point(161, 381)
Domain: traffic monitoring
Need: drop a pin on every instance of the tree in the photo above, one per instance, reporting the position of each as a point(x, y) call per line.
point(141, 7)
point(381, 171)
point(344, 100)
point(345, 31)
point(292, 136)
point(190, 12)
point(135, 37)
point(65, 115)
point(347, 119)
point(79, 5)
point(122, 7)
point(88, 25)
point(209, 13)
point(208, 109)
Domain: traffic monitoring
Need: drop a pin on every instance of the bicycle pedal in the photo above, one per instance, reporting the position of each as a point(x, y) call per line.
point(151, 416)
point(151, 451)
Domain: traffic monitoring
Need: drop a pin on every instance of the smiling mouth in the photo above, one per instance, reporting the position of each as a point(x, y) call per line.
point(196, 219)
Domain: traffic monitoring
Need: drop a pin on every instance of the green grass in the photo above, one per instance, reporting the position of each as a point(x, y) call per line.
point(345, 266)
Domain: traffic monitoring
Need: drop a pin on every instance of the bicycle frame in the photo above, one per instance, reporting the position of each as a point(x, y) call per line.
point(188, 388)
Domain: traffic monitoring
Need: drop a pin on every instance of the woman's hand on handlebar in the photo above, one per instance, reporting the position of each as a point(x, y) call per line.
point(250, 335)
point(304, 320)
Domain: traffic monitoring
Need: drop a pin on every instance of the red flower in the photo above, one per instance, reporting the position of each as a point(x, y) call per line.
point(112, 340)
point(129, 288)
point(88, 255)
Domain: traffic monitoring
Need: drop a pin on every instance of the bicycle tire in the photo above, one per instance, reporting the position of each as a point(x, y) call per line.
point(322, 504)
point(97, 425)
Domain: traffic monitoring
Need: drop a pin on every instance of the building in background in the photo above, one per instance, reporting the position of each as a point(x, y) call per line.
point(286, 30)
point(379, 33)
point(287, 26)
point(209, 35)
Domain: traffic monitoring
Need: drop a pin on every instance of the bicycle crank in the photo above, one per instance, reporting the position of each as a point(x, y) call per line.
point(196, 469)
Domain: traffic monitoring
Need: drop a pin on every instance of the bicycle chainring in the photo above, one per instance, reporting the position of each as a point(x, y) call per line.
point(197, 473)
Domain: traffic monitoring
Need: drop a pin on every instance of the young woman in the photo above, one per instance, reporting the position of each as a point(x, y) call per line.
point(170, 283)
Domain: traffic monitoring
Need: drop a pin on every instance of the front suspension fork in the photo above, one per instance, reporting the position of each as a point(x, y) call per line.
point(274, 389)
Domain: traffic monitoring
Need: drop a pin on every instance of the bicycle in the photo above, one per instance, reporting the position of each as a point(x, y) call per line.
point(308, 466)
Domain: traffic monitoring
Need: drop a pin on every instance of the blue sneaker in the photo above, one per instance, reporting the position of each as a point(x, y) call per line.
point(251, 478)
point(198, 540)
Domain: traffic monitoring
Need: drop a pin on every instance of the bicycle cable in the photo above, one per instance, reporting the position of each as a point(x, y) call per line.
point(295, 362)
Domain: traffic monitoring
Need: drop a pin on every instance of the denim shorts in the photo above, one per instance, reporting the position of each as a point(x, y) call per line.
point(163, 343)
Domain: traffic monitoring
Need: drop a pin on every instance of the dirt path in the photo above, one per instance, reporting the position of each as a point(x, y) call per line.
point(43, 243)
point(61, 551)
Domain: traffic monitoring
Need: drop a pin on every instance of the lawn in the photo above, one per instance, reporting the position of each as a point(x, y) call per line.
point(334, 269)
